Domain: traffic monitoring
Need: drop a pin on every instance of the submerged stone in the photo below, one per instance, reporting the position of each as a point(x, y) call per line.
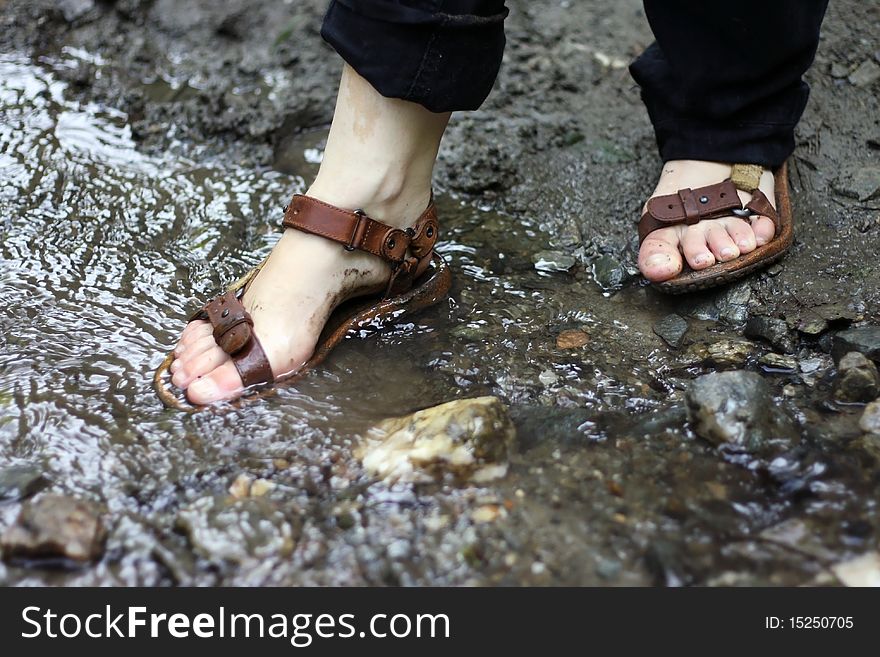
point(469, 439)
point(237, 530)
point(857, 379)
point(20, 481)
point(672, 329)
point(608, 272)
point(720, 353)
point(553, 261)
point(56, 526)
point(572, 339)
point(734, 407)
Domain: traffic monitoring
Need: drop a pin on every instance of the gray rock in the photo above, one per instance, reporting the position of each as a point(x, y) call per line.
point(553, 261)
point(608, 272)
point(608, 568)
point(672, 329)
point(773, 330)
point(73, 10)
point(733, 302)
point(866, 74)
point(469, 439)
point(861, 182)
point(839, 70)
point(20, 481)
point(870, 421)
point(864, 339)
point(857, 379)
point(55, 526)
point(735, 407)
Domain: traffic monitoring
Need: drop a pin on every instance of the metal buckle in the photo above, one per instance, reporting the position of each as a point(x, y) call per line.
point(743, 213)
point(357, 228)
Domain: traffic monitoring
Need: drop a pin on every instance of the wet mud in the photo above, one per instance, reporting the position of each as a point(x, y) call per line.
point(146, 151)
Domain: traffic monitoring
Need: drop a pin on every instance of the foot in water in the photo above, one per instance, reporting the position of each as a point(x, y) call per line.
point(664, 252)
point(379, 158)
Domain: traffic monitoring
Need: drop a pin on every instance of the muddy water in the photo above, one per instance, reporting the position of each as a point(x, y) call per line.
point(106, 249)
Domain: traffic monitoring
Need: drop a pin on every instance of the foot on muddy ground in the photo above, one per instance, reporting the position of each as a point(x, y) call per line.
point(707, 242)
point(290, 300)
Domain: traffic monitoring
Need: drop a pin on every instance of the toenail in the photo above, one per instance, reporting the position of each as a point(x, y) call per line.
point(657, 260)
point(760, 241)
point(701, 259)
point(728, 252)
point(744, 244)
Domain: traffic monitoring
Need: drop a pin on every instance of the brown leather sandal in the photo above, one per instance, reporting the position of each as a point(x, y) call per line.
point(420, 278)
point(719, 200)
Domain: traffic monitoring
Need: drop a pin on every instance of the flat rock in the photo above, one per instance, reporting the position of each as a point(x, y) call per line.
point(553, 261)
point(56, 526)
point(860, 182)
point(870, 420)
point(857, 379)
point(672, 329)
point(20, 481)
point(733, 407)
point(864, 339)
point(469, 439)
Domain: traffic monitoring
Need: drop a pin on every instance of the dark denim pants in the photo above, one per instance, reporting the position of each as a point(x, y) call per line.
point(722, 81)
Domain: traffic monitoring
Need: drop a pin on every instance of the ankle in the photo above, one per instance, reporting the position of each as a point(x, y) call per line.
point(395, 200)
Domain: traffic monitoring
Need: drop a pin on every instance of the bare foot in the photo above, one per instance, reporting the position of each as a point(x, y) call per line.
point(709, 241)
point(379, 158)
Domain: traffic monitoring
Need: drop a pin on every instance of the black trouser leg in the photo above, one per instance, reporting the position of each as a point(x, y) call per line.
point(442, 54)
point(723, 80)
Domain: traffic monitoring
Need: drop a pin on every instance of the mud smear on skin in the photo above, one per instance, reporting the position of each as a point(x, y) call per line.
point(124, 206)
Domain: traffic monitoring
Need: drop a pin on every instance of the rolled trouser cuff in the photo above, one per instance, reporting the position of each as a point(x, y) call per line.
point(441, 54)
point(746, 140)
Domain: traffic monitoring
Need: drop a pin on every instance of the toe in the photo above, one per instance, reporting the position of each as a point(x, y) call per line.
point(742, 235)
point(659, 258)
point(193, 350)
point(192, 332)
point(696, 250)
point(764, 230)
point(720, 243)
point(198, 366)
point(220, 384)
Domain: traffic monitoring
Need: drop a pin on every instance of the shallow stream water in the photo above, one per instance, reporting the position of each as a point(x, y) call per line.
point(107, 249)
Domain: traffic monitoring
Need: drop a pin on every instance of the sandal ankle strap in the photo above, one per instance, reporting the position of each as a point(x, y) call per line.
point(354, 229)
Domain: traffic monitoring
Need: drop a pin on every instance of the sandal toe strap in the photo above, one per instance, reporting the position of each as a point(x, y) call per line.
point(234, 334)
point(690, 206)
